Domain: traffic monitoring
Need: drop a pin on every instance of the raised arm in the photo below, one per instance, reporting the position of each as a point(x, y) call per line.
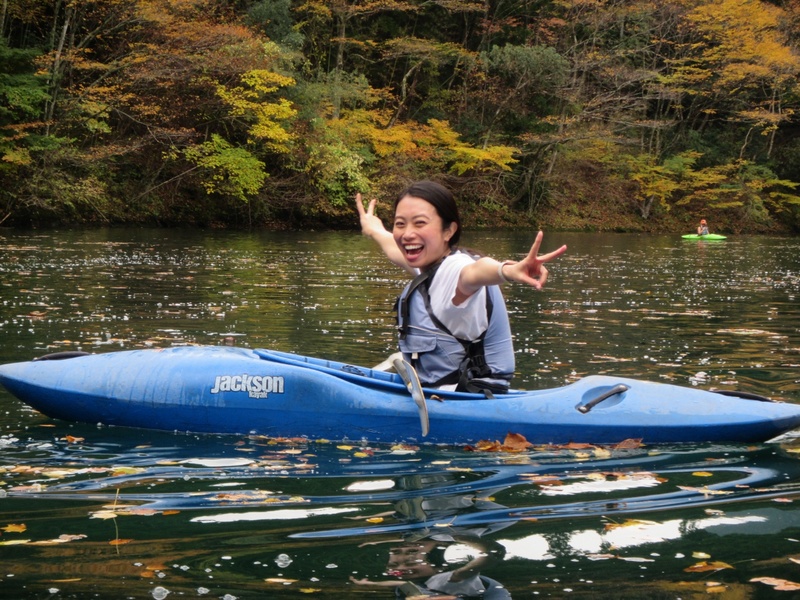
point(488, 271)
point(373, 227)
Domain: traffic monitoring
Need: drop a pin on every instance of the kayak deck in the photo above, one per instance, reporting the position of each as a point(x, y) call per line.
point(220, 389)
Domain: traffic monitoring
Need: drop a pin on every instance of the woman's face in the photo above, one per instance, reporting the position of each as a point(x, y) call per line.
point(410, 561)
point(419, 233)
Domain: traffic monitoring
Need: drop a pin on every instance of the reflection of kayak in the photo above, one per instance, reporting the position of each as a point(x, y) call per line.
point(221, 389)
point(708, 236)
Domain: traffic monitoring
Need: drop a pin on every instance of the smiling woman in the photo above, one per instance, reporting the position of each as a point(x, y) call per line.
point(452, 317)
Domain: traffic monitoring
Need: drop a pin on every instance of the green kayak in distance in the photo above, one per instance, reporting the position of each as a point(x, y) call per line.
point(708, 236)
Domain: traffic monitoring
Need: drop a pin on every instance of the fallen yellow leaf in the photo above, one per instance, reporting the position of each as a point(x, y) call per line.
point(704, 566)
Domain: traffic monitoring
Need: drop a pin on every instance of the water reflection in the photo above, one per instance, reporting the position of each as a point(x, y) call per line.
point(442, 565)
point(116, 513)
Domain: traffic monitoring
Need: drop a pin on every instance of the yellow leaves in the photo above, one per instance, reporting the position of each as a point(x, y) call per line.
point(704, 566)
point(15, 528)
point(251, 102)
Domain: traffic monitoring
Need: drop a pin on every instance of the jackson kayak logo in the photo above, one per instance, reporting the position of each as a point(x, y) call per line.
point(257, 386)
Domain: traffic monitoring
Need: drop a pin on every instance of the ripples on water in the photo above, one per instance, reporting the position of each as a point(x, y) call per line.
point(115, 513)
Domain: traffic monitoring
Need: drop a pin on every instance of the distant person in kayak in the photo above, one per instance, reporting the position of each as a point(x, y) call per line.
point(702, 229)
point(452, 317)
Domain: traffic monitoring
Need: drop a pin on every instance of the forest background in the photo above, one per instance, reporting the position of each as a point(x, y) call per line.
point(604, 115)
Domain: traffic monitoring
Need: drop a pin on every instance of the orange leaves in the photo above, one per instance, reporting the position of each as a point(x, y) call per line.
point(15, 528)
point(119, 542)
point(705, 566)
point(513, 443)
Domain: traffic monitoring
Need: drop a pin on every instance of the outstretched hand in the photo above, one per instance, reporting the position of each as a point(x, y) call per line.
point(531, 269)
point(371, 225)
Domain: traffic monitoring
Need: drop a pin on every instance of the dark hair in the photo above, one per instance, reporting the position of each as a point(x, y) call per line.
point(441, 199)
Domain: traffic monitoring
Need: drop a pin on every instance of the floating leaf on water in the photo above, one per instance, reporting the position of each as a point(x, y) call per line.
point(404, 448)
point(15, 528)
point(702, 474)
point(119, 542)
point(702, 555)
point(704, 566)
point(103, 514)
point(782, 585)
point(14, 542)
point(280, 580)
point(140, 512)
point(628, 444)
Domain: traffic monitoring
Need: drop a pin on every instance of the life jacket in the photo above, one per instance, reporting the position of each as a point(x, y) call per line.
point(440, 358)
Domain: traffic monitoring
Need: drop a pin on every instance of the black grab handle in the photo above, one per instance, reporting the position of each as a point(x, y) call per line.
point(618, 389)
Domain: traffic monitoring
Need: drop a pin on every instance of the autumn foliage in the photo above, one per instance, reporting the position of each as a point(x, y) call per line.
point(275, 112)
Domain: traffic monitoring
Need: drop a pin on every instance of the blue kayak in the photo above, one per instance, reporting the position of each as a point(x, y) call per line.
point(220, 389)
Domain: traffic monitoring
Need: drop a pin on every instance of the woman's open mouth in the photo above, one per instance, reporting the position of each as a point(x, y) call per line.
point(413, 250)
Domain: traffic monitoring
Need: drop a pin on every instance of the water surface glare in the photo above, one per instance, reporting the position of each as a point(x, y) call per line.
point(102, 512)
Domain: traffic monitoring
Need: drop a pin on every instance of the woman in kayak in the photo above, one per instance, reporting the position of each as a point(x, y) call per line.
point(702, 229)
point(452, 318)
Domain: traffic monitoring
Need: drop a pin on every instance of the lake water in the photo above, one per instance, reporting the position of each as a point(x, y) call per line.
point(98, 512)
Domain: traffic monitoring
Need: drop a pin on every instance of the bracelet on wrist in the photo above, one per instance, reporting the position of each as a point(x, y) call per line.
point(500, 270)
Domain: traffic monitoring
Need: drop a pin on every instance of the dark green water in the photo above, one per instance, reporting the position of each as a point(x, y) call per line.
point(97, 512)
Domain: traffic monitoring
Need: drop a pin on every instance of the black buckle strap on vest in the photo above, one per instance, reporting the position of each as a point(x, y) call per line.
point(474, 365)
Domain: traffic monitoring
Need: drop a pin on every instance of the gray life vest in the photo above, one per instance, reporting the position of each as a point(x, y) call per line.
point(440, 358)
